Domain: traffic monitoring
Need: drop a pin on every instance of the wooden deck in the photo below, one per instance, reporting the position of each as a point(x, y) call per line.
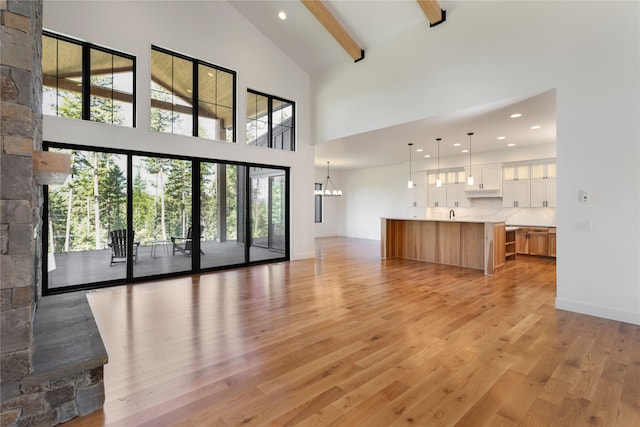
point(350, 340)
point(76, 268)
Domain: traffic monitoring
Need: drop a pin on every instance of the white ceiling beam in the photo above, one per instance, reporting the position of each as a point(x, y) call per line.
point(433, 11)
point(331, 24)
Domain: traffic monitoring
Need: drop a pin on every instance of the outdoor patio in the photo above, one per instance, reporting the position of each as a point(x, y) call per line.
point(154, 258)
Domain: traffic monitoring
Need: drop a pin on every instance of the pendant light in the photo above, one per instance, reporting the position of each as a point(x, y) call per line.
point(438, 181)
point(470, 179)
point(328, 191)
point(410, 182)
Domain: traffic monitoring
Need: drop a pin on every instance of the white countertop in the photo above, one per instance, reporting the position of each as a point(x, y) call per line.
point(473, 220)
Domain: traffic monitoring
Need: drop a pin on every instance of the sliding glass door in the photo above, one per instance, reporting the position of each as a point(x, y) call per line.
point(222, 214)
point(268, 213)
point(125, 216)
point(162, 224)
point(83, 214)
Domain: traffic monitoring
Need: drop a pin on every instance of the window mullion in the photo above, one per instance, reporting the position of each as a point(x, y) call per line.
point(86, 82)
point(195, 111)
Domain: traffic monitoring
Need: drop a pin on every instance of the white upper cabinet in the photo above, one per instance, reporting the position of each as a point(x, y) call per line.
point(436, 196)
point(516, 172)
point(543, 193)
point(546, 170)
point(456, 176)
point(456, 181)
point(487, 181)
point(543, 185)
point(516, 194)
point(516, 186)
point(417, 196)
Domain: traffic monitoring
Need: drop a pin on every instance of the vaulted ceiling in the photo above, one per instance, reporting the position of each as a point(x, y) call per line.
point(307, 38)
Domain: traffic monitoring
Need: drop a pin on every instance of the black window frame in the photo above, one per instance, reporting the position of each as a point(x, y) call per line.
point(196, 268)
point(195, 92)
point(269, 138)
point(318, 204)
point(86, 74)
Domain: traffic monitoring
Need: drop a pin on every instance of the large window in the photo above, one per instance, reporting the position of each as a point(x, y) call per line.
point(190, 97)
point(270, 121)
point(125, 216)
point(88, 82)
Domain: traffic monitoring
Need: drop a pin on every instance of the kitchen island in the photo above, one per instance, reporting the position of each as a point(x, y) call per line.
point(462, 242)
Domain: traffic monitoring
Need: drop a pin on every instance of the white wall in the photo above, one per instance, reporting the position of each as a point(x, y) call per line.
point(210, 31)
point(371, 194)
point(487, 51)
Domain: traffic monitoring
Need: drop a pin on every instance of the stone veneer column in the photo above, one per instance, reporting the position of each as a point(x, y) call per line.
point(34, 393)
point(20, 198)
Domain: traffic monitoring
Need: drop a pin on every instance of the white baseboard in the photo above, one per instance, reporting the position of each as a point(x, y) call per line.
point(598, 311)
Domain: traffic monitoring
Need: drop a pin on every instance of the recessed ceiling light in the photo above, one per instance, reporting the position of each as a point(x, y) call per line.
point(210, 74)
point(427, 155)
point(419, 150)
point(282, 15)
point(456, 144)
point(515, 115)
point(502, 137)
point(465, 151)
point(511, 145)
point(534, 127)
point(189, 90)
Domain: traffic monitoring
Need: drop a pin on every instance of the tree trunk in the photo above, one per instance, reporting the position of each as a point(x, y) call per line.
point(96, 199)
point(162, 213)
point(67, 231)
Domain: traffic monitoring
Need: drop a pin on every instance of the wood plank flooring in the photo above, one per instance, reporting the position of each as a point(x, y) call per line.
point(350, 340)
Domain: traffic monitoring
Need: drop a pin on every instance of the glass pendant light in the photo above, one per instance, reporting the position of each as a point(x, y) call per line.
point(470, 179)
point(438, 181)
point(410, 182)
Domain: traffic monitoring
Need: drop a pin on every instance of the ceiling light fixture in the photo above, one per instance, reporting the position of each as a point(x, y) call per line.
point(410, 182)
point(327, 192)
point(457, 144)
point(438, 181)
point(511, 145)
point(427, 155)
point(282, 15)
point(502, 137)
point(470, 179)
point(515, 115)
point(419, 150)
point(534, 127)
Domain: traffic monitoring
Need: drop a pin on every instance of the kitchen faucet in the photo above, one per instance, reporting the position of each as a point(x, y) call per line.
point(452, 214)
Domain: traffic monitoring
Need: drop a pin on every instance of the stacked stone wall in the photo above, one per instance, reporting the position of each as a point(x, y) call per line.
point(20, 116)
point(28, 398)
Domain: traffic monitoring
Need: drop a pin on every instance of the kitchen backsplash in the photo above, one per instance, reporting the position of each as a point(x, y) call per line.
point(491, 208)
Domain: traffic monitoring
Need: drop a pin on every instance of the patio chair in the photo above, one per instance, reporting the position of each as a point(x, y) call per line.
point(118, 246)
point(183, 244)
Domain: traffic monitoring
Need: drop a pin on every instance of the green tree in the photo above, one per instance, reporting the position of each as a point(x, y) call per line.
point(159, 167)
point(178, 195)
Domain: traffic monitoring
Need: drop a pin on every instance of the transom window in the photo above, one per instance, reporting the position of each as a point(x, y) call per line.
point(270, 121)
point(190, 97)
point(87, 82)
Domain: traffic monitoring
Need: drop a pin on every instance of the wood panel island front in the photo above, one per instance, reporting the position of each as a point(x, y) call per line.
point(465, 243)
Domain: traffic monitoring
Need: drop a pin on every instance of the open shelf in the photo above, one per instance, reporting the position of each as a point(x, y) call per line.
point(510, 245)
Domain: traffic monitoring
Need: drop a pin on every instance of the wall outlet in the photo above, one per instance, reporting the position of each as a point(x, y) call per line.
point(582, 225)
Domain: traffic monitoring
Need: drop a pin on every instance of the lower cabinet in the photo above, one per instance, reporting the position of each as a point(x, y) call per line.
point(539, 242)
point(552, 242)
point(522, 241)
point(536, 241)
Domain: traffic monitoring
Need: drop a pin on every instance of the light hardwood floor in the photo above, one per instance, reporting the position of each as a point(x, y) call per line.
point(350, 340)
